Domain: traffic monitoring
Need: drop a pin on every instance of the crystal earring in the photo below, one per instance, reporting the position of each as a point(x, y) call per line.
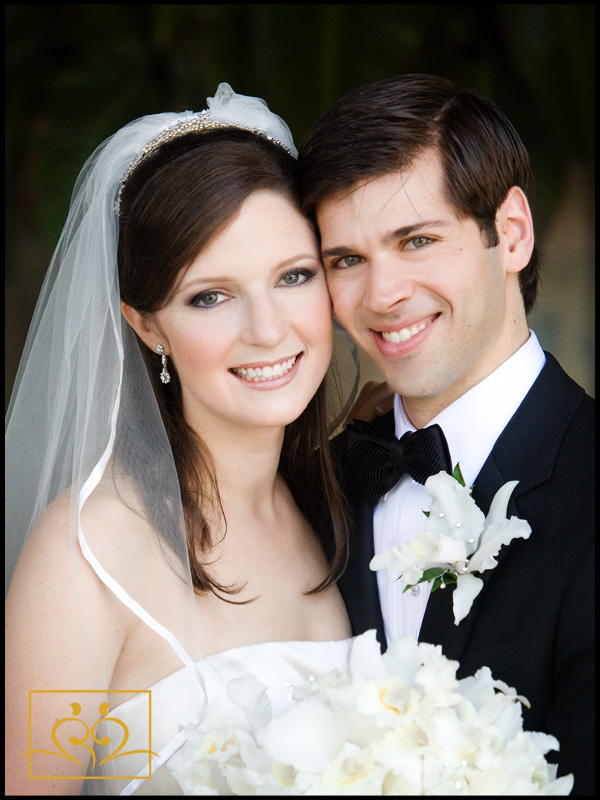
point(164, 375)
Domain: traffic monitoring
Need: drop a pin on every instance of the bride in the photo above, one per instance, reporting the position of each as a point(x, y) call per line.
point(173, 513)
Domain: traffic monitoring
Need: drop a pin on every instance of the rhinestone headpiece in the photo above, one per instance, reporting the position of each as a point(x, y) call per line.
point(200, 122)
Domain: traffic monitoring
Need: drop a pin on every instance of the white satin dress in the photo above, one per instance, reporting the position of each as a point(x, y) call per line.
point(177, 700)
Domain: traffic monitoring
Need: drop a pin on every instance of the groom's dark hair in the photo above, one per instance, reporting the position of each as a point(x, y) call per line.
point(386, 126)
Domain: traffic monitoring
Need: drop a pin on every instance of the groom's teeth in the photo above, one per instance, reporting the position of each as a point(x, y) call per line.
point(265, 373)
point(404, 333)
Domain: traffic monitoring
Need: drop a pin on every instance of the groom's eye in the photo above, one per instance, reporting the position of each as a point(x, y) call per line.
point(346, 261)
point(418, 242)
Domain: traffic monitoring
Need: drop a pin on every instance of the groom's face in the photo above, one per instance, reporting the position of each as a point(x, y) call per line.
point(416, 286)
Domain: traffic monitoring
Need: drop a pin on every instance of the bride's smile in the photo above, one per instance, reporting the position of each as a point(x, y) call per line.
point(269, 376)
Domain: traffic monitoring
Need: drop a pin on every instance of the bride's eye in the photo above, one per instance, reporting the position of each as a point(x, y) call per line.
point(208, 299)
point(297, 277)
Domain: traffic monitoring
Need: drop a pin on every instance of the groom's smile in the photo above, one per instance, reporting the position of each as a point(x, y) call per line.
point(397, 339)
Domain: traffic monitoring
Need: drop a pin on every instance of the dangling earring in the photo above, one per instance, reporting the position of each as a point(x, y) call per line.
point(164, 375)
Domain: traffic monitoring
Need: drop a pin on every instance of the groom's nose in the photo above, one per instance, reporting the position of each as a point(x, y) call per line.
point(387, 283)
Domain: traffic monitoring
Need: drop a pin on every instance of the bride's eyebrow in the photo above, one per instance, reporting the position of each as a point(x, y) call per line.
point(225, 278)
point(209, 279)
point(296, 259)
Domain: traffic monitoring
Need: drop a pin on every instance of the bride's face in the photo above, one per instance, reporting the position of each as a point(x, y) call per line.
point(250, 325)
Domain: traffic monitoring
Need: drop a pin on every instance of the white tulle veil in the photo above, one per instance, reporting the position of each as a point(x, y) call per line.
point(83, 421)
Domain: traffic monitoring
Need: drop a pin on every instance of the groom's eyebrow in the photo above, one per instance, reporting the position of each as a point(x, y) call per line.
point(393, 236)
point(336, 251)
point(406, 230)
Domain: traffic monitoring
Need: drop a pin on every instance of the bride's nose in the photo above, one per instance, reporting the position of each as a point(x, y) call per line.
point(265, 323)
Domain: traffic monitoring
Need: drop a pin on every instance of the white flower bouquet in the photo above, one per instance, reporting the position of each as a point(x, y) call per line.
point(400, 723)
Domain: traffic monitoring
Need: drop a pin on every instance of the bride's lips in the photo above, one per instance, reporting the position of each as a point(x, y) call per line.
point(265, 376)
point(401, 338)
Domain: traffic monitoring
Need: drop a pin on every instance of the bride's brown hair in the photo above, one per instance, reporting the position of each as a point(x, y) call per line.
point(172, 206)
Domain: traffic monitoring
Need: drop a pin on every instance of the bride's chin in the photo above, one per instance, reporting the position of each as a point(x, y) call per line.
point(276, 417)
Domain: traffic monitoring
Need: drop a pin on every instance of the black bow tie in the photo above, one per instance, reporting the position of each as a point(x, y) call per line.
point(380, 460)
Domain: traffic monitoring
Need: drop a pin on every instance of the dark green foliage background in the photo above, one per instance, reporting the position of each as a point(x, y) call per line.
point(76, 73)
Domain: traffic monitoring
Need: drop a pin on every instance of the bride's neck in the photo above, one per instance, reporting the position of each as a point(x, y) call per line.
point(246, 463)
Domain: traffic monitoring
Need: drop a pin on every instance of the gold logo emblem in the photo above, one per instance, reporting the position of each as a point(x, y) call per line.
point(89, 739)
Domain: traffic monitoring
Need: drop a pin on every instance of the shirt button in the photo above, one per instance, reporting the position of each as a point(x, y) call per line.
point(414, 590)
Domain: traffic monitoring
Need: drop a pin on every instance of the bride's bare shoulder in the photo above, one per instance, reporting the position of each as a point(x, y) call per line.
point(64, 627)
point(52, 563)
point(50, 539)
point(113, 527)
point(57, 527)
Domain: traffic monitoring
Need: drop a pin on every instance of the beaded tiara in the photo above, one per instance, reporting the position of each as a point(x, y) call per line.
point(199, 122)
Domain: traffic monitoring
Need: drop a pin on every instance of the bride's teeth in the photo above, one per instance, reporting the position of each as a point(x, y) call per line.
point(257, 374)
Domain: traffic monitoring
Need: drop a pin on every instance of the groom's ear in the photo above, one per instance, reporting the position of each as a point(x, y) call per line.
point(144, 325)
point(514, 223)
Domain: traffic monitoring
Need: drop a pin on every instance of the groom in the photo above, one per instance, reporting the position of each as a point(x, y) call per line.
point(422, 196)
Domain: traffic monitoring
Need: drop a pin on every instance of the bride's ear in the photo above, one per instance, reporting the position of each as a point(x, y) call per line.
point(143, 325)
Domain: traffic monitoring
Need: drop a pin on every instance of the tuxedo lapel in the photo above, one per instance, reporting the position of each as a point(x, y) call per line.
point(525, 451)
point(528, 447)
point(359, 583)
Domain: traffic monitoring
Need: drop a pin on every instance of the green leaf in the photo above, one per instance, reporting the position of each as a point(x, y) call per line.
point(447, 579)
point(429, 575)
point(458, 476)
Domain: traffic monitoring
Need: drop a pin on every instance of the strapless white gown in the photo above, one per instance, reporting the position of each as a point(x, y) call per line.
point(177, 700)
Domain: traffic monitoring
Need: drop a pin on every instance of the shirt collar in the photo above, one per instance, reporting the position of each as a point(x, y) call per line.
point(473, 423)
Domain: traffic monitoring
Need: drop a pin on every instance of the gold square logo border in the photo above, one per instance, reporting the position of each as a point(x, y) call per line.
point(94, 777)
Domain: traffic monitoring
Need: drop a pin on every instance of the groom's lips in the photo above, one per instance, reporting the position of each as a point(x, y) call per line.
point(410, 333)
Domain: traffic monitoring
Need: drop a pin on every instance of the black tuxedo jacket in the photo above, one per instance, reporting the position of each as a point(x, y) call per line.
point(533, 622)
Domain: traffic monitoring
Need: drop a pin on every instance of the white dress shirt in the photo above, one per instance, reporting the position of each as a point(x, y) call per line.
point(472, 424)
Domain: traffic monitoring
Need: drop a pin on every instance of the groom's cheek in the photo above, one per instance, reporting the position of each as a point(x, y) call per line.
point(343, 293)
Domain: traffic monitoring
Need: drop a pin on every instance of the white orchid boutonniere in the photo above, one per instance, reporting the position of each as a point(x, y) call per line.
point(458, 541)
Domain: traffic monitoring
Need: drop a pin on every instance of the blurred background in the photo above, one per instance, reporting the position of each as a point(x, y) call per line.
point(76, 73)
